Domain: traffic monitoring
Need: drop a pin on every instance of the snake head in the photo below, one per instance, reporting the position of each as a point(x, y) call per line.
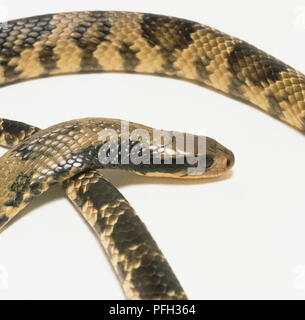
point(186, 156)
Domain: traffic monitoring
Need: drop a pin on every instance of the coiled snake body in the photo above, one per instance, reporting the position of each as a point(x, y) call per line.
point(80, 42)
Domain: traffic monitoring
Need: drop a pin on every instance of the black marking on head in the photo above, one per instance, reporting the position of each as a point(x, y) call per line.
point(129, 56)
point(3, 220)
point(91, 159)
point(18, 35)
point(19, 187)
point(249, 63)
point(164, 167)
point(88, 35)
point(169, 34)
point(48, 58)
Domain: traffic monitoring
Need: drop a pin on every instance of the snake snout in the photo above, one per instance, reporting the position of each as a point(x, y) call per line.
point(230, 159)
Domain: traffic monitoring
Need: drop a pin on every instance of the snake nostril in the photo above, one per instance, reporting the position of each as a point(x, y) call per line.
point(228, 163)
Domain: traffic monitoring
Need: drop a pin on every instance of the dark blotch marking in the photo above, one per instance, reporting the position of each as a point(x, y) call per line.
point(12, 130)
point(27, 154)
point(28, 31)
point(19, 187)
point(88, 40)
point(129, 231)
point(36, 188)
point(9, 71)
point(90, 157)
point(15, 127)
point(249, 63)
point(100, 194)
point(169, 34)
point(129, 56)
point(201, 68)
point(154, 277)
point(48, 58)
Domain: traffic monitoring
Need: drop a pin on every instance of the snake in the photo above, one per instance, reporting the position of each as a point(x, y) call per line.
point(130, 42)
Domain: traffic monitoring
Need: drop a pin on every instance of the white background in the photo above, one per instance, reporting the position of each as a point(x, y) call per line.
point(242, 236)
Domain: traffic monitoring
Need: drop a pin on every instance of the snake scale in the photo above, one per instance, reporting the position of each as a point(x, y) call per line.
point(106, 41)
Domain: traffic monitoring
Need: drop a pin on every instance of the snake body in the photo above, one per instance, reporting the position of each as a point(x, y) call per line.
point(77, 42)
point(106, 41)
point(140, 265)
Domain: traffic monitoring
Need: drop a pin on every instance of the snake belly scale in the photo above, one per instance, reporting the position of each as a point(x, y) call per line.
point(106, 41)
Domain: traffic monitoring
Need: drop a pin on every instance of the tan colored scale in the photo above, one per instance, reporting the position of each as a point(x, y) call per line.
point(66, 50)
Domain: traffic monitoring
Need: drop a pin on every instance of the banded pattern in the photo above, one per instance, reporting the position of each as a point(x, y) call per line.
point(106, 41)
point(98, 41)
point(139, 263)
